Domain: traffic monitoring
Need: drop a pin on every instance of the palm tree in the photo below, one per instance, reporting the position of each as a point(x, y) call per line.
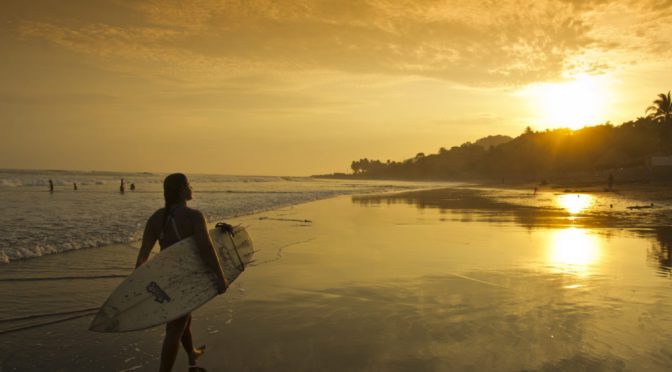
point(661, 110)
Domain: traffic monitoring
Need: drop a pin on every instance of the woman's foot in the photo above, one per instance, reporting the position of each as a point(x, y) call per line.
point(193, 357)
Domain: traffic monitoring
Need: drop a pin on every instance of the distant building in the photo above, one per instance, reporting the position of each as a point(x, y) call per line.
point(661, 161)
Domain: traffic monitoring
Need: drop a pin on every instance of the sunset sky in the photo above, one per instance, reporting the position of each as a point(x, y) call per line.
point(301, 87)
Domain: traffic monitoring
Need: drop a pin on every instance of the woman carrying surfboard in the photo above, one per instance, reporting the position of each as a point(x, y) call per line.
point(169, 225)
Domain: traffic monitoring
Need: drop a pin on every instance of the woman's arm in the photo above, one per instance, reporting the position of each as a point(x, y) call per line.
point(148, 241)
point(207, 249)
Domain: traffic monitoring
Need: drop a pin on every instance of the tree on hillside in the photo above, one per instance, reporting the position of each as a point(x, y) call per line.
point(661, 110)
point(361, 165)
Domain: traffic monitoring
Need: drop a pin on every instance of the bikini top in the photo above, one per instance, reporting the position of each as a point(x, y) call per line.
point(163, 242)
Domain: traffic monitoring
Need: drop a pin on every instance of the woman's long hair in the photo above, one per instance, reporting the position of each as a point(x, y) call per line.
point(173, 185)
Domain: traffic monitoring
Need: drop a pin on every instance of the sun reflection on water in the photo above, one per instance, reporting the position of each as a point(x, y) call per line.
point(573, 250)
point(575, 203)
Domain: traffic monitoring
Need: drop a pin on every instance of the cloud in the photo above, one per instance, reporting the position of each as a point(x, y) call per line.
point(58, 99)
point(254, 102)
point(478, 43)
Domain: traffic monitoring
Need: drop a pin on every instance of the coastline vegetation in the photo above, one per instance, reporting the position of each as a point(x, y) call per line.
point(539, 156)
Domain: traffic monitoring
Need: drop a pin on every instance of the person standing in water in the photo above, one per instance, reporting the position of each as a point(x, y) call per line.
point(121, 187)
point(133, 187)
point(610, 181)
point(169, 225)
point(51, 186)
point(74, 186)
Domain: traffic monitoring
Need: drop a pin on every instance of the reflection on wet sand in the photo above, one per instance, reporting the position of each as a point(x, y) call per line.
point(574, 203)
point(576, 213)
point(475, 205)
point(408, 290)
point(573, 250)
point(533, 321)
point(564, 210)
point(660, 253)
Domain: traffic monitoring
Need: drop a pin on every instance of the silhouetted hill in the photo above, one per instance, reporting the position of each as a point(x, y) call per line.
point(533, 155)
point(496, 140)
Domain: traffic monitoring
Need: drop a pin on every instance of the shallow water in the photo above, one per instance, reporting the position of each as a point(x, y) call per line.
point(429, 281)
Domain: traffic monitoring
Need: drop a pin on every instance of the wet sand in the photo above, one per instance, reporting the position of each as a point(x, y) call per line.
point(452, 279)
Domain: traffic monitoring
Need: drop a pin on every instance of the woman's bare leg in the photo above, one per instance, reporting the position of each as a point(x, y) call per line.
point(171, 343)
point(188, 344)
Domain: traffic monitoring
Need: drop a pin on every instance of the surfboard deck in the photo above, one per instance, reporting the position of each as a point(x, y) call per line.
point(173, 283)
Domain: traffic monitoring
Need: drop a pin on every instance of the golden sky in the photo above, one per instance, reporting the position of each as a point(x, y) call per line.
point(301, 87)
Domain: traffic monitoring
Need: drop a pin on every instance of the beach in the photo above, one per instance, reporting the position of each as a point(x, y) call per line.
point(430, 280)
point(421, 186)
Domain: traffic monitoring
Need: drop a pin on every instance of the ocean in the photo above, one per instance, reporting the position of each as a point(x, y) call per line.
point(35, 222)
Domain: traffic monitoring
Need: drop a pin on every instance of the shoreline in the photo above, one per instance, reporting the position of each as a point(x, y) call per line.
point(642, 191)
point(647, 189)
point(127, 230)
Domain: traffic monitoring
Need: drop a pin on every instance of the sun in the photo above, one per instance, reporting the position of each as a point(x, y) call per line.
point(572, 104)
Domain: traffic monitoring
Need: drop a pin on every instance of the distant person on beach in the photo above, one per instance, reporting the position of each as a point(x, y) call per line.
point(51, 186)
point(121, 187)
point(74, 186)
point(169, 225)
point(132, 187)
point(610, 181)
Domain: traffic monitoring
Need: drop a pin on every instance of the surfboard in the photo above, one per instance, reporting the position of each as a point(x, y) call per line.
point(173, 283)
